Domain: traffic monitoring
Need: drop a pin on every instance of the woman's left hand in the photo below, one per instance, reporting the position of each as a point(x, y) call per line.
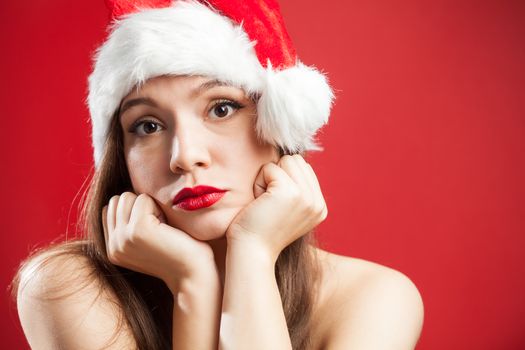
point(288, 204)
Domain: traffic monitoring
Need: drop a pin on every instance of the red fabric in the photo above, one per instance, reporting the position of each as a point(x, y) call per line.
point(261, 19)
point(263, 22)
point(118, 8)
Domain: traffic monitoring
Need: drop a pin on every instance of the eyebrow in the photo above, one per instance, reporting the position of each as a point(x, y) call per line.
point(137, 101)
point(206, 86)
point(150, 102)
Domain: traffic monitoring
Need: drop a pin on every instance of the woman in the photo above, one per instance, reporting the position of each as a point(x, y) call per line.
point(199, 218)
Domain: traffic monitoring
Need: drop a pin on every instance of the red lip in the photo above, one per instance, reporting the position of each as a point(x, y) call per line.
point(197, 197)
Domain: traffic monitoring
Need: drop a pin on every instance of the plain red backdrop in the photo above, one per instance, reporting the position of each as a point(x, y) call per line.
point(423, 168)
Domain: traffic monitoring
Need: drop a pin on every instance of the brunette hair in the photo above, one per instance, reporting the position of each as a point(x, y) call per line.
point(145, 301)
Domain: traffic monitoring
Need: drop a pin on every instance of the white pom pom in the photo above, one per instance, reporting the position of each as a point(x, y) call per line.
point(294, 104)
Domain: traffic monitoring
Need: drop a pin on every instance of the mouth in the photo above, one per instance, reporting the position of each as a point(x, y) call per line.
point(197, 197)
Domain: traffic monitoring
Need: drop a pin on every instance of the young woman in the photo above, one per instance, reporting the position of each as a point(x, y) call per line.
point(199, 218)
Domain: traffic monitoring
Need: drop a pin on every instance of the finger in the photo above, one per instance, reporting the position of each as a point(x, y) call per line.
point(105, 223)
point(125, 204)
point(145, 205)
point(309, 174)
point(303, 166)
point(112, 213)
point(269, 178)
point(313, 184)
point(289, 165)
point(317, 187)
point(294, 167)
point(259, 186)
point(313, 178)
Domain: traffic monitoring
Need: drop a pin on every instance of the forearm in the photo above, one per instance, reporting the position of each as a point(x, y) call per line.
point(252, 312)
point(196, 313)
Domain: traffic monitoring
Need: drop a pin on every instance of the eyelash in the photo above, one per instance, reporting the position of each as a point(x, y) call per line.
point(235, 105)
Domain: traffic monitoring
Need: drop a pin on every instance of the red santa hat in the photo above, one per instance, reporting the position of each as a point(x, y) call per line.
point(241, 42)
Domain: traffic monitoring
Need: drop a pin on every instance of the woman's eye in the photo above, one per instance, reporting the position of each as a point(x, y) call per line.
point(145, 127)
point(225, 108)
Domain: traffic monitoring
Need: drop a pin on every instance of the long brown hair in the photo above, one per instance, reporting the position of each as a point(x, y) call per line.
point(146, 302)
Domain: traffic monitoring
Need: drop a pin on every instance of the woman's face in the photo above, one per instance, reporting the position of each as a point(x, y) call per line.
point(182, 131)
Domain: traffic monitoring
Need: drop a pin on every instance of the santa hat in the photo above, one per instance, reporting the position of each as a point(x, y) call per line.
point(241, 42)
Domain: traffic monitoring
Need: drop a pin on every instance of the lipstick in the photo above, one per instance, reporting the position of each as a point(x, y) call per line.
point(197, 197)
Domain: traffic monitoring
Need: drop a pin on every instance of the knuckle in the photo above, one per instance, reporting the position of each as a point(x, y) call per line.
point(117, 257)
point(112, 254)
point(142, 196)
point(324, 213)
point(311, 208)
point(286, 159)
point(111, 259)
point(319, 207)
point(127, 195)
point(306, 206)
point(266, 167)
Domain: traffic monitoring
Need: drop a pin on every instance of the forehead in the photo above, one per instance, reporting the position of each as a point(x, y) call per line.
point(164, 89)
point(189, 85)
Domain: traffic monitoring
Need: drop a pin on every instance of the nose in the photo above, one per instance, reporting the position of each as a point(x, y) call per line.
point(189, 149)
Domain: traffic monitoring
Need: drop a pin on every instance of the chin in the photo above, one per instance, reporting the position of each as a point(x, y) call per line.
point(208, 235)
point(211, 225)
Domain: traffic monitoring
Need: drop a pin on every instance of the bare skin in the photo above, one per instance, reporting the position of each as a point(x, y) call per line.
point(83, 321)
point(219, 261)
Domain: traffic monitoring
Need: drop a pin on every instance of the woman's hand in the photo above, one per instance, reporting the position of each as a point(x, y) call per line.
point(289, 203)
point(138, 238)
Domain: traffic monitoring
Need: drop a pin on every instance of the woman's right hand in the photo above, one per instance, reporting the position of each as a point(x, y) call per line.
point(138, 238)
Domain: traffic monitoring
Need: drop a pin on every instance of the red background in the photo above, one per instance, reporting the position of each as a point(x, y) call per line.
point(423, 168)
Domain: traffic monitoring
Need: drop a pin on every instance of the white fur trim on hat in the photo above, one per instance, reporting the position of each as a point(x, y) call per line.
point(294, 104)
point(188, 38)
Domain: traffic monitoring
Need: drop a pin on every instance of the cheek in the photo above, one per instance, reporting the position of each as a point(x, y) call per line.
point(144, 172)
point(244, 167)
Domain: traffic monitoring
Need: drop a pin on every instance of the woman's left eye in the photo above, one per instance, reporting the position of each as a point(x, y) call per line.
point(224, 108)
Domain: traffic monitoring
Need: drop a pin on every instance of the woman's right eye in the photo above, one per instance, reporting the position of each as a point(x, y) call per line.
point(145, 127)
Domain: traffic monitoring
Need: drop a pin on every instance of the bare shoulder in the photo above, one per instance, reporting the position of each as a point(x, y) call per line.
point(62, 305)
point(363, 304)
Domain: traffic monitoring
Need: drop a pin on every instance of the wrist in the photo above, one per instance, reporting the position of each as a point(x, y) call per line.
point(251, 250)
point(199, 277)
